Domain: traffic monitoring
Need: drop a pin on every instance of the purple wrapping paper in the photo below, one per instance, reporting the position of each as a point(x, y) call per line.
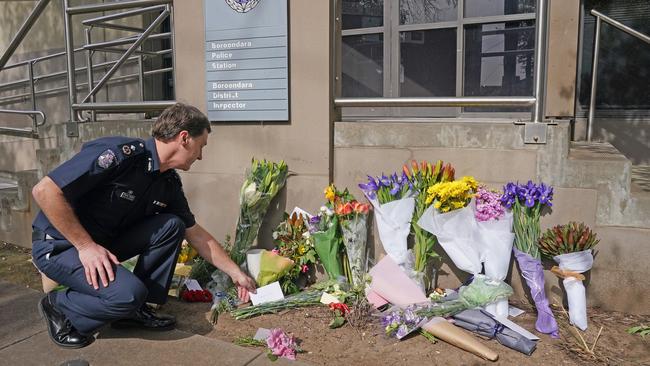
point(533, 273)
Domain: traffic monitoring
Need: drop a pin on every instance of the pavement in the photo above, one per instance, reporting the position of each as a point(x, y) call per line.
point(24, 341)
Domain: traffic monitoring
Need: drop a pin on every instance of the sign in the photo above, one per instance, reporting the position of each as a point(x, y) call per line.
point(247, 60)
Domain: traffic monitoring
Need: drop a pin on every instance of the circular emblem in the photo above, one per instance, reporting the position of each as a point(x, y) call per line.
point(126, 150)
point(242, 6)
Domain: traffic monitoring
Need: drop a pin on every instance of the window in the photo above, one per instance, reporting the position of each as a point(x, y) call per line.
point(437, 48)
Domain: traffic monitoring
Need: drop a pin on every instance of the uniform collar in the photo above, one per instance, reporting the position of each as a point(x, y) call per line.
point(150, 145)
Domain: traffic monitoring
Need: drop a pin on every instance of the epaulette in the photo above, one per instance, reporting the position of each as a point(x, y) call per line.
point(131, 149)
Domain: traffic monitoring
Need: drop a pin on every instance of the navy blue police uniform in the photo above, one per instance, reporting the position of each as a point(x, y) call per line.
point(116, 189)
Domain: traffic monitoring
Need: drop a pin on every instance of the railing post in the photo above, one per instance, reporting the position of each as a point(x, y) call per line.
point(540, 61)
point(89, 70)
point(141, 77)
point(594, 81)
point(30, 70)
point(69, 49)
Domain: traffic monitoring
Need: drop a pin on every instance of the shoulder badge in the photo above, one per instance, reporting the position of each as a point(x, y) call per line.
point(126, 149)
point(106, 159)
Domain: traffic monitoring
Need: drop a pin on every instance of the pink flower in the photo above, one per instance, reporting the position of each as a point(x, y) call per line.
point(275, 251)
point(304, 268)
point(281, 344)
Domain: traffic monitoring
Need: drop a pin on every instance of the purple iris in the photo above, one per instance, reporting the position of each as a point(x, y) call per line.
point(314, 221)
point(528, 194)
point(370, 188)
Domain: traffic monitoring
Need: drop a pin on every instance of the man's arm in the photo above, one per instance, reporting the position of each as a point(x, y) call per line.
point(209, 248)
point(95, 258)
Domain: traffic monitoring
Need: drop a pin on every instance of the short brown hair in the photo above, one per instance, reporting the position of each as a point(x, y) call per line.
point(177, 118)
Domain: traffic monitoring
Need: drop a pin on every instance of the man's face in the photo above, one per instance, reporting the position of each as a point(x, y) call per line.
point(192, 149)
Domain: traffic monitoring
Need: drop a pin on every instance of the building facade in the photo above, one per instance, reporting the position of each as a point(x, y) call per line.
point(387, 52)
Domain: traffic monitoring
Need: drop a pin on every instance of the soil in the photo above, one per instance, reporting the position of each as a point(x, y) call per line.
point(369, 346)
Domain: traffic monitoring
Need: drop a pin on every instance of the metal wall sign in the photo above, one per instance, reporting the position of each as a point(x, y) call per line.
point(247, 53)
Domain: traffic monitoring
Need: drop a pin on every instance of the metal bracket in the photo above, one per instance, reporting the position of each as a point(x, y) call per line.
point(535, 133)
point(72, 129)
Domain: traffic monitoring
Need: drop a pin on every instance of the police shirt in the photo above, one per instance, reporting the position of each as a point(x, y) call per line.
point(112, 184)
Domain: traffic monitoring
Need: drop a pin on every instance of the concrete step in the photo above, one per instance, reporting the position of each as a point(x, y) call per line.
point(640, 175)
point(17, 209)
point(600, 166)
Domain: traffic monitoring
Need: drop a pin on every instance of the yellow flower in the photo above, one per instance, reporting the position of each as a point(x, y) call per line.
point(301, 250)
point(329, 193)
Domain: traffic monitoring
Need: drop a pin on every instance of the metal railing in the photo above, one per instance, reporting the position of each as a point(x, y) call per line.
point(594, 65)
point(536, 101)
point(134, 54)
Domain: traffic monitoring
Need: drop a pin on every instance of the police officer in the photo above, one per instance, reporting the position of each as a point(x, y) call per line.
point(117, 198)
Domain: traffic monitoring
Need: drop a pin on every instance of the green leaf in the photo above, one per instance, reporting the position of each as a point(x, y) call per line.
point(337, 322)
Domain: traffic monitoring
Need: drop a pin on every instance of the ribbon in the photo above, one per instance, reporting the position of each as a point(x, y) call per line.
point(564, 273)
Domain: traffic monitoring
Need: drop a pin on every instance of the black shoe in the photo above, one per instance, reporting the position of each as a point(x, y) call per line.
point(146, 318)
point(61, 331)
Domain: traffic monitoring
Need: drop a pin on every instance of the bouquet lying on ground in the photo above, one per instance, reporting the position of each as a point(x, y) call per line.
point(263, 181)
point(571, 247)
point(422, 177)
point(278, 343)
point(392, 199)
point(527, 202)
point(353, 219)
point(293, 241)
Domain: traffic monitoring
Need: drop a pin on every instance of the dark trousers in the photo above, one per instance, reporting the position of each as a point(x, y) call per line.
point(157, 242)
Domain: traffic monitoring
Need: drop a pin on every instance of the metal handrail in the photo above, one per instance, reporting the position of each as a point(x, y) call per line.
point(126, 54)
point(99, 20)
point(22, 32)
point(35, 124)
point(117, 5)
point(437, 102)
point(133, 53)
point(600, 17)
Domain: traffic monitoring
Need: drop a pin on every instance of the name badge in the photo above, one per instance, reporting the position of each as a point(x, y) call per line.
point(129, 196)
point(160, 204)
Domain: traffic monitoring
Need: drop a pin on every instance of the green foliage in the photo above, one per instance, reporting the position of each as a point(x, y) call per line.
point(642, 330)
point(568, 238)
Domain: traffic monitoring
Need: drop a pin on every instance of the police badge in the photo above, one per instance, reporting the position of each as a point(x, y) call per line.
point(106, 159)
point(242, 6)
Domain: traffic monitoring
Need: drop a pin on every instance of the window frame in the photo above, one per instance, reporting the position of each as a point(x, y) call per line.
point(391, 52)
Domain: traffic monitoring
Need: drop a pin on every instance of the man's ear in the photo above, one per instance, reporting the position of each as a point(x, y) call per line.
point(184, 136)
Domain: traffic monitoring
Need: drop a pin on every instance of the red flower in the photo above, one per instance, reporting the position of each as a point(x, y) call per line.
point(344, 309)
point(197, 296)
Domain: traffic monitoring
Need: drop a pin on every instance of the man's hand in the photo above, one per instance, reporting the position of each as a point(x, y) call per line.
point(97, 260)
point(244, 285)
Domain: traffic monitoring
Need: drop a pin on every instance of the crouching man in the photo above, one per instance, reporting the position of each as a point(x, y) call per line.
point(117, 198)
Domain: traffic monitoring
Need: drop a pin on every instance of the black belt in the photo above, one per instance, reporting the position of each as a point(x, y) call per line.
point(38, 234)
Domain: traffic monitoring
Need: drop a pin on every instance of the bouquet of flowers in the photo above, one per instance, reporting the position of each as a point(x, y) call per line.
point(278, 343)
point(451, 219)
point(393, 202)
point(400, 322)
point(262, 183)
point(495, 238)
point(527, 202)
point(324, 230)
point(293, 241)
point(571, 247)
point(353, 217)
point(422, 177)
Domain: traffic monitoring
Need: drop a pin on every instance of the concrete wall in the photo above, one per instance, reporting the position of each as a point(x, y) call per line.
point(212, 186)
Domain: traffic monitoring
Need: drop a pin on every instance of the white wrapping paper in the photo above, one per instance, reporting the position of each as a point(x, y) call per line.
point(394, 225)
point(579, 262)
